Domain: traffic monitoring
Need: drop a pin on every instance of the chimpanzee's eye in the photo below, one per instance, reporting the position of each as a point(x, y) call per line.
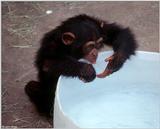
point(99, 43)
point(88, 47)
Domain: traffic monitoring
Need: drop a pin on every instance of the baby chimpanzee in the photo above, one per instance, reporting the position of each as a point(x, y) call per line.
point(78, 37)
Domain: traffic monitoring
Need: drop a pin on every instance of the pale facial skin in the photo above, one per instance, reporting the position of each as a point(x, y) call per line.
point(92, 56)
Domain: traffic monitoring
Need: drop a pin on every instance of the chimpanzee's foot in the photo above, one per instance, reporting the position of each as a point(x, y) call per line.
point(32, 88)
point(37, 96)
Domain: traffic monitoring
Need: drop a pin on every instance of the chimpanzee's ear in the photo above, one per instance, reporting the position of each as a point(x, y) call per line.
point(68, 38)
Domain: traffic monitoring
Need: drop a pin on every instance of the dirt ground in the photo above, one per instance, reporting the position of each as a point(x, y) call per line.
point(23, 25)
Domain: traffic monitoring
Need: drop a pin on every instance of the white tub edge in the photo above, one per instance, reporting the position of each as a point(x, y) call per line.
point(60, 118)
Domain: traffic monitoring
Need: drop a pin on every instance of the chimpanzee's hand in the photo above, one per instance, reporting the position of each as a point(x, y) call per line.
point(115, 63)
point(87, 73)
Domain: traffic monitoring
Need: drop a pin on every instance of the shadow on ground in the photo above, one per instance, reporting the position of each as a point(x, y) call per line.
point(23, 25)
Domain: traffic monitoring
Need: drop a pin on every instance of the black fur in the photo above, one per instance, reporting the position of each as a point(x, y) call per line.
point(54, 58)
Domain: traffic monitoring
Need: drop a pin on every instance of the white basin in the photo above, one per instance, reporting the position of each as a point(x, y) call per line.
point(129, 98)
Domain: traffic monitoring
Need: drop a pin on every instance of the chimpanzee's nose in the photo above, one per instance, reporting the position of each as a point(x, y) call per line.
point(94, 52)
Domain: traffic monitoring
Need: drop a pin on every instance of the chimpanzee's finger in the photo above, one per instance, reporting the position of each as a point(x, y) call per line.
point(105, 73)
point(109, 58)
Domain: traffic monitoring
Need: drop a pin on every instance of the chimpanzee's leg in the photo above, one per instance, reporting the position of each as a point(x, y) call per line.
point(42, 93)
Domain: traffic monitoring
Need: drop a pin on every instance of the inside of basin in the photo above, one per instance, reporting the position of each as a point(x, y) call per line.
point(129, 98)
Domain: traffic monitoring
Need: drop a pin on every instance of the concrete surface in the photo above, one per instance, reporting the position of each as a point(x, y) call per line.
point(23, 25)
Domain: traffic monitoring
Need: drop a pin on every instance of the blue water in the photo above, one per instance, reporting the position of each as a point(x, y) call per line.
point(129, 98)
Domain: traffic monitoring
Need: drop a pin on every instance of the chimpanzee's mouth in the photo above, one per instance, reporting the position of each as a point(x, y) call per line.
point(92, 59)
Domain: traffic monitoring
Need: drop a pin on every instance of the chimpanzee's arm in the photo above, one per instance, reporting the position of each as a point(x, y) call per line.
point(121, 39)
point(70, 67)
point(123, 43)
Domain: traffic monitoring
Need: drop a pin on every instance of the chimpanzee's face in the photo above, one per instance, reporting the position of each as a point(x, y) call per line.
point(87, 46)
point(90, 49)
point(84, 40)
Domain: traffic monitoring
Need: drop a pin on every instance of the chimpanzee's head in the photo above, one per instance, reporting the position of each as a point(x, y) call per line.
point(84, 41)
